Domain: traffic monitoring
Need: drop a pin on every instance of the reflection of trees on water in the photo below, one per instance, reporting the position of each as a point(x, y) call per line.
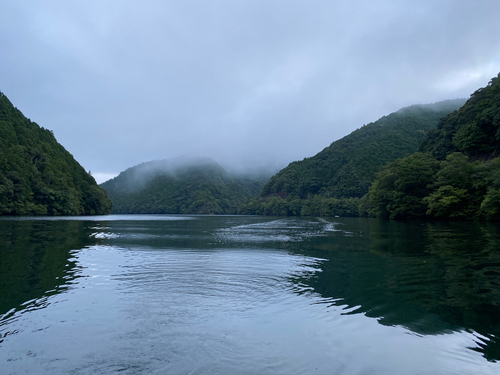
point(36, 261)
point(432, 278)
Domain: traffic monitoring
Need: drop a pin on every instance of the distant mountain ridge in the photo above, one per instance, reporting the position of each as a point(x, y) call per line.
point(137, 177)
point(347, 167)
point(184, 185)
point(38, 176)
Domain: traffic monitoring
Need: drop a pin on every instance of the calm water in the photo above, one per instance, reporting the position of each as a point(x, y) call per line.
point(248, 295)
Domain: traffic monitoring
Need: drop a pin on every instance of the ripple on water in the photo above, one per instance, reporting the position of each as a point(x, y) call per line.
point(157, 300)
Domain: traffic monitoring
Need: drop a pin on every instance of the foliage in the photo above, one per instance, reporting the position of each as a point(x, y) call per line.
point(474, 129)
point(458, 177)
point(455, 176)
point(312, 206)
point(490, 206)
point(328, 183)
point(420, 186)
point(446, 201)
point(38, 176)
point(399, 188)
point(348, 166)
point(199, 187)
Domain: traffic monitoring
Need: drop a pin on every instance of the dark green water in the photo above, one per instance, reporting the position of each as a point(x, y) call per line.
point(248, 295)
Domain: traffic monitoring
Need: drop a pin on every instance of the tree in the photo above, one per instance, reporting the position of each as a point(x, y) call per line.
point(399, 188)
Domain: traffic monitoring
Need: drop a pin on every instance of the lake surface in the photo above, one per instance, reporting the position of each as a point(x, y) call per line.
point(158, 294)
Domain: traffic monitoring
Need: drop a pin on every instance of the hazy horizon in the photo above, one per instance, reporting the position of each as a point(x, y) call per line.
point(181, 161)
point(249, 84)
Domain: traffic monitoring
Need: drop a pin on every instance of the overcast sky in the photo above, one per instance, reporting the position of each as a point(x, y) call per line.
point(248, 83)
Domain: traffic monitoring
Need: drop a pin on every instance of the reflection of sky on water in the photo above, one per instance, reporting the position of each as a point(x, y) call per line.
point(130, 301)
point(232, 303)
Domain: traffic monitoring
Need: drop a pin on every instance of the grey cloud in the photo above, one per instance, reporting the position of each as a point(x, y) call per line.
point(248, 83)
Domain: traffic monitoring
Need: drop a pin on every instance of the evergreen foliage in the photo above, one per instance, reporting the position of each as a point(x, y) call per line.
point(459, 175)
point(38, 176)
point(180, 186)
point(342, 173)
point(473, 130)
point(313, 206)
point(420, 186)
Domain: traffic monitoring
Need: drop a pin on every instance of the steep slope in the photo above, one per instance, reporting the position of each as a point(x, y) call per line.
point(38, 176)
point(348, 166)
point(474, 129)
point(457, 174)
point(180, 186)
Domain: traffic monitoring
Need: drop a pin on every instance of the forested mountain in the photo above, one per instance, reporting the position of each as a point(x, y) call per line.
point(331, 181)
point(181, 186)
point(38, 176)
point(457, 177)
point(473, 130)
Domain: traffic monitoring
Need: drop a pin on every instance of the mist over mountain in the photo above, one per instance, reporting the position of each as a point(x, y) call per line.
point(473, 130)
point(456, 174)
point(331, 182)
point(137, 177)
point(183, 185)
point(38, 176)
point(347, 167)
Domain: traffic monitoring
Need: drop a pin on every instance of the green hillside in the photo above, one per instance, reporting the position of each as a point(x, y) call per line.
point(457, 173)
point(180, 186)
point(330, 182)
point(38, 176)
point(473, 130)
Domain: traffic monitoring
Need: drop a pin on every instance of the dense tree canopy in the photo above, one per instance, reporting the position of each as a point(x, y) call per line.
point(331, 182)
point(473, 130)
point(400, 187)
point(456, 174)
point(420, 186)
point(347, 167)
point(38, 176)
point(458, 177)
point(180, 186)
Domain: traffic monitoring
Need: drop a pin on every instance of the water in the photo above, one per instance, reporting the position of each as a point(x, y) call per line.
point(248, 295)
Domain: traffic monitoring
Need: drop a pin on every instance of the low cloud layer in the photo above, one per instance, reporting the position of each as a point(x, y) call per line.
point(248, 83)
